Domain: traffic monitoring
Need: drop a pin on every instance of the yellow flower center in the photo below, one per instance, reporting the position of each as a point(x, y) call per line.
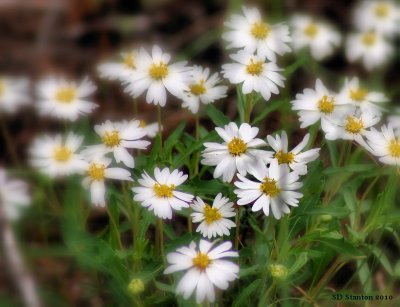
point(369, 39)
point(158, 71)
point(394, 148)
point(163, 190)
point(197, 88)
point(201, 261)
point(284, 157)
point(142, 123)
point(62, 154)
point(111, 139)
point(311, 30)
point(129, 61)
point(255, 68)
point(96, 171)
point(358, 94)
point(269, 187)
point(65, 95)
point(354, 125)
point(2, 87)
point(211, 214)
point(237, 147)
point(382, 10)
point(260, 30)
point(326, 105)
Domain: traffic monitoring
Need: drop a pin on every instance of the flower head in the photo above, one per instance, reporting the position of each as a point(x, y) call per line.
point(160, 194)
point(65, 100)
point(206, 269)
point(295, 158)
point(57, 156)
point(255, 74)
point(321, 38)
point(274, 187)
point(239, 151)
point(203, 88)
point(155, 74)
point(250, 32)
point(213, 219)
point(121, 70)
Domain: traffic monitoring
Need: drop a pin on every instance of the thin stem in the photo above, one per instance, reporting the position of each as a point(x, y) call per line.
point(159, 125)
point(248, 108)
point(237, 233)
point(9, 142)
point(160, 231)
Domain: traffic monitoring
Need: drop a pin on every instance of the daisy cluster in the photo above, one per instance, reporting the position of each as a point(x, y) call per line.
point(376, 25)
point(351, 114)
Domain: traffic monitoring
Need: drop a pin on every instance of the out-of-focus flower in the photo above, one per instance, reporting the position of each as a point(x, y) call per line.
point(250, 32)
point(213, 219)
point(255, 73)
point(13, 195)
point(160, 195)
point(394, 121)
point(353, 127)
point(385, 144)
point(120, 70)
point(371, 48)
point(13, 94)
point(319, 36)
point(118, 137)
point(150, 129)
point(360, 97)
point(381, 16)
point(97, 170)
point(203, 88)
point(63, 99)
point(319, 104)
point(156, 75)
point(239, 151)
point(295, 159)
point(206, 268)
point(275, 187)
point(56, 155)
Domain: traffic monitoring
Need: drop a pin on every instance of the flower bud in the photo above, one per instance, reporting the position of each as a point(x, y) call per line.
point(136, 286)
point(278, 271)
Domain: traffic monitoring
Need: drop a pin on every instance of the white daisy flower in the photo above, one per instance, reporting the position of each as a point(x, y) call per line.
point(120, 70)
point(118, 137)
point(370, 48)
point(56, 155)
point(381, 16)
point(275, 187)
point(295, 159)
point(13, 195)
point(367, 101)
point(385, 144)
point(160, 195)
point(13, 94)
point(203, 88)
point(250, 32)
point(213, 219)
point(156, 75)
point(353, 127)
point(319, 36)
point(239, 151)
point(206, 269)
point(255, 73)
point(97, 170)
point(319, 104)
point(65, 100)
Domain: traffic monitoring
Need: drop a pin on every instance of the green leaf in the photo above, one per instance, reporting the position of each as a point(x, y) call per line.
point(293, 67)
point(245, 296)
point(301, 260)
point(217, 117)
point(241, 103)
point(271, 106)
point(341, 246)
point(173, 138)
point(381, 257)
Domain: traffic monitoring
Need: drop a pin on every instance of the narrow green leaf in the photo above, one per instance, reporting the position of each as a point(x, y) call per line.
point(218, 118)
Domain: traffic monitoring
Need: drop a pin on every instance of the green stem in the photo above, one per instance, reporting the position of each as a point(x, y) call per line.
point(160, 231)
point(249, 108)
point(237, 232)
point(159, 126)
